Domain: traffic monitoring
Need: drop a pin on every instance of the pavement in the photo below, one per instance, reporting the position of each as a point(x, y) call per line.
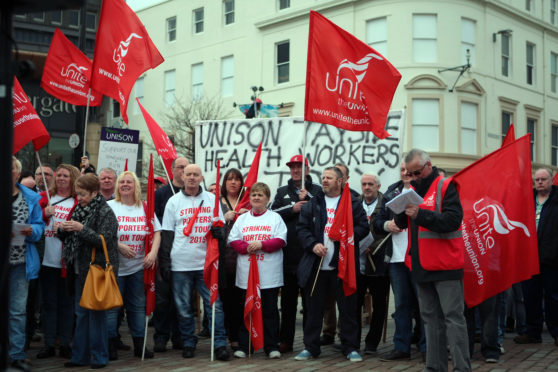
point(531, 357)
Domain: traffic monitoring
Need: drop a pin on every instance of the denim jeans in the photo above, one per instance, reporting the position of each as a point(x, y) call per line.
point(17, 311)
point(404, 289)
point(183, 282)
point(57, 307)
point(133, 295)
point(90, 336)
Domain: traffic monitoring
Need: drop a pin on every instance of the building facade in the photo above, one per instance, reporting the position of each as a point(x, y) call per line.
point(224, 47)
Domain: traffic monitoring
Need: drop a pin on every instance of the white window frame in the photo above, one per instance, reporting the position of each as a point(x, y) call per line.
point(170, 87)
point(283, 4)
point(228, 12)
point(282, 64)
point(171, 31)
point(197, 81)
point(419, 121)
point(554, 143)
point(553, 12)
point(530, 65)
point(38, 16)
point(553, 72)
point(198, 24)
point(533, 145)
point(227, 76)
point(94, 22)
point(505, 39)
point(376, 34)
point(468, 39)
point(70, 12)
point(425, 38)
point(469, 128)
point(61, 17)
point(506, 125)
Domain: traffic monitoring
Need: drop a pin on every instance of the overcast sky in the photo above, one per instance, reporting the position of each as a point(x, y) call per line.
point(141, 4)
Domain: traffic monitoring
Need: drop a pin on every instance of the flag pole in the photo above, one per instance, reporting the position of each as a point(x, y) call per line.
point(303, 157)
point(144, 338)
point(212, 331)
point(44, 178)
point(250, 337)
point(318, 272)
point(166, 173)
point(86, 120)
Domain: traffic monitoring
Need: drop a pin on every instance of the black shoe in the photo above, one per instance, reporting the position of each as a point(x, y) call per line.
point(285, 347)
point(65, 351)
point(138, 348)
point(73, 365)
point(122, 346)
point(369, 349)
point(21, 365)
point(46, 352)
point(423, 356)
point(188, 352)
point(221, 353)
point(113, 348)
point(160, 347)
point(326, 340)
point(98, 366)
point(204, 333)
point(395, 355)
point(178, 345)
point(525, 339)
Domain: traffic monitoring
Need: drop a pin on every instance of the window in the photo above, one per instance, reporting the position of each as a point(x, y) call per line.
point(198, 20)
point(170, 88)
point(529, 5)
point(91, 21)
point(284, 4)
point(468, 27)
point(197, 81)
point(115, 109)
point(228, 11)
point(553, 71)
point(139, 88)
point(554, 145)
point(469, 128)
point(20, 15)
point(507, 120)
point(530, 58)
point(282, 55)
point(424, 38)
point(171, 29)
point(505, 54)
point(227, 76)
point(73, 18)
point(531, 128)
point(425, 124)
point(553, 12)
point(56, 17)
point(376, 34)
point(39, 17)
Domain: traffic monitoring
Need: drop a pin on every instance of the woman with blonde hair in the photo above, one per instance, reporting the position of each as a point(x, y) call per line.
point(132, 233)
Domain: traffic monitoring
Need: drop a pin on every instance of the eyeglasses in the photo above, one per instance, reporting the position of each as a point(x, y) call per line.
point(417, 172)
point(180, 167)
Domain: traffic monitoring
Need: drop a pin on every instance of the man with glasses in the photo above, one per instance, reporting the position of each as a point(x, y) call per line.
point(40, 184)
point(436, 253)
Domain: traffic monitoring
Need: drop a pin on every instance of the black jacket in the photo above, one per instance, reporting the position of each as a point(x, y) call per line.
point(162, 196)
point(382, 257)
point(448, 220)
point(310, 231)
point(283, 203)
point(547, 231)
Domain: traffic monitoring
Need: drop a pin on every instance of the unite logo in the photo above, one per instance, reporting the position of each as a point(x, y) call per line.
point(355, 72)
point(75, 73)
point(121, 51)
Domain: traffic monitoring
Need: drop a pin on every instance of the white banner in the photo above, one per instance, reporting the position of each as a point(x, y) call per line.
point(234, 142)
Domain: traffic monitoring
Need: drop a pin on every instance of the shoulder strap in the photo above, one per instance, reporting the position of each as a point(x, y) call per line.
point(107, 261)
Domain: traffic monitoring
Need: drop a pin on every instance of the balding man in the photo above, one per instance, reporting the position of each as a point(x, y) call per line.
point(182, 258)
point(543, 286)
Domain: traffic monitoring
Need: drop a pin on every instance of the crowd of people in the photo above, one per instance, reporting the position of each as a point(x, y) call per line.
point(62, 214)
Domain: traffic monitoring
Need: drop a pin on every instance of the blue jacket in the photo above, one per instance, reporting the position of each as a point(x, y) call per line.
point(32, 261)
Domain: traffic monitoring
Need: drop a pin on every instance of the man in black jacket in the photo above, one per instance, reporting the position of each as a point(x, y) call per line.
point(437, 258)
point(288, 201)
point(543, 285)
point(313, 226)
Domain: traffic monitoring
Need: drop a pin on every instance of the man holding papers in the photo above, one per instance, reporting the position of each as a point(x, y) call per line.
point(436, 258)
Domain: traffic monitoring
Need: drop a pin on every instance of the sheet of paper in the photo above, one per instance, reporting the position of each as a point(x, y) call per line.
point(19, 238)
point(397, 204)
point(366, 242)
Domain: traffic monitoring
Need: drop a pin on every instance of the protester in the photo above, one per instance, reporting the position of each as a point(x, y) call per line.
point(27, 179)
point(165, 318)
point(402, 283)
point(85, 166)
point(487, 311)
point(374, 261)
point(23, 262)
point(39, 181)
point(313, 226)
point(212, 188)
point(233, 302)
point(91, 218)
point(107, 177)
point(159, 183)
point(541, 291)
point(260, 235)
point(132, 232)
point(57, 306)
point(437, 258)
point(288, 201)
point(182, 258)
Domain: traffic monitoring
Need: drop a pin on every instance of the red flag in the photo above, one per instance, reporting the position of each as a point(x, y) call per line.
point(253, 305)
point(348, 84)
point(510, 136)
point(149, 274)
point(251, 178)
point(67, 73)
point(555, 180)
point(499, 232)
point(126, 165)
point(123, 51)
point(342, 231)
point(211, 266)
point(188, 229)
point(27, 124)
point(161, 141)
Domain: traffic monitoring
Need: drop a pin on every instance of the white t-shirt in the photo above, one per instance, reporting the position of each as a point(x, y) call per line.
point(53, 245)
point(399, 241)
point(331, 207)
point(132, 232)
point(188, 252)
point(251, 228)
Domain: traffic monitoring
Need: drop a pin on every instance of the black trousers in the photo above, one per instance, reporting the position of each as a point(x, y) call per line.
point(165, 319)
point(379, 288)
point(270, 320)
point(289, 304)
point(233, 307)
point(328, 282)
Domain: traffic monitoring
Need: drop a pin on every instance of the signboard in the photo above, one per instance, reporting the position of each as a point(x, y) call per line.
point(117, 145)
point(234, 142)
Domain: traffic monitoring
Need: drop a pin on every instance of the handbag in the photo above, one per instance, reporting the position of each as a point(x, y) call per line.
point(100, 291)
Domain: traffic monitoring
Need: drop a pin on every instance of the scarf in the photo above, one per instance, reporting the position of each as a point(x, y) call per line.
point(83, 215)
